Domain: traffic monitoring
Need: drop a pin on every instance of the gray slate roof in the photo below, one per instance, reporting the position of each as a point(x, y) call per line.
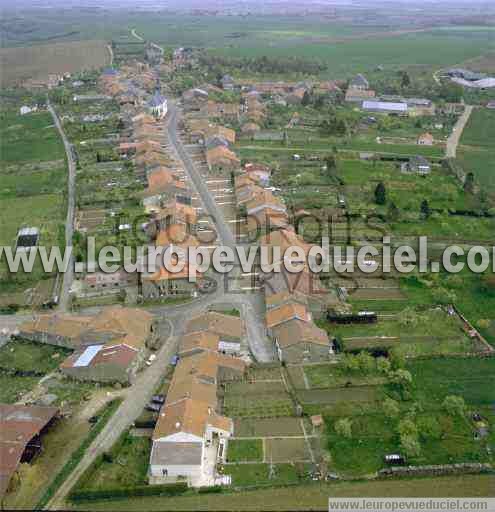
point(175, 454)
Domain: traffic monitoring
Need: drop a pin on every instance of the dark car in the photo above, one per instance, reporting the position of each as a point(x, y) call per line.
point(153, 407)
point(158, 399)
point(93, 420)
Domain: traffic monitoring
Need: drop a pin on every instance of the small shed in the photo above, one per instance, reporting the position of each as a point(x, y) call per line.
point(27, 238)
point(317, 420)
point(426, 139)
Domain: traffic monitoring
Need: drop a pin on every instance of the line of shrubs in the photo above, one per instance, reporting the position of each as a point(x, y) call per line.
point(129, 492)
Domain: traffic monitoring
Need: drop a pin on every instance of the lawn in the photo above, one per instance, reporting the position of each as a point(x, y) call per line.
point(247, 475)
point(335, 376)
point(126, 465)
point(245, 450)
point(28, 356)
point(262, 427)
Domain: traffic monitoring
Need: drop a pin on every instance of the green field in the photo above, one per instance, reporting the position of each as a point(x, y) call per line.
point(435, 48)
point(33, 174)
point(473, 379)
point(313, 497)
point(32, 137)
point(477, 150)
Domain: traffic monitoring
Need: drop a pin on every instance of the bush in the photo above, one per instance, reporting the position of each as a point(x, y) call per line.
point(454, 405)
point(210, 490)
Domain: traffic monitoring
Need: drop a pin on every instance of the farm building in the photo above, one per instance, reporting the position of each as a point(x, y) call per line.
point(108, 347)
point(416, 165)
point(227, 83)
point(95, 283)
point(359, 82)
point(465, 74)
point(385, 107)
point(354, 95)
point(485, 83)
point(299, 341)
point(27, 238)
point(21, 431)
point(420, 107)
point(27, 110)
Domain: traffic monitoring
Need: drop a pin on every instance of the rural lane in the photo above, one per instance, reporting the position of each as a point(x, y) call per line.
point(455, 137)
point(68, 276)
point(130, 409)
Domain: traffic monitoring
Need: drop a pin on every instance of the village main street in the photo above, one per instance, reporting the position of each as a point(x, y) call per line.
point(176, 316)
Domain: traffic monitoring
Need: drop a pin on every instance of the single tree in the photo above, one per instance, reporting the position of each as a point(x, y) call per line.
point(425, 209)
point(383, 365)
point(380, 194)
point(405, 80)
point(454, 405)
point(391, 408)
point(343, 427)
point(407, 427)
point(306, 99)
point(469, 183)
point(410, 445)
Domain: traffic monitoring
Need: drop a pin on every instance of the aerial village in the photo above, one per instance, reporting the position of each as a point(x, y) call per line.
point(260, 383)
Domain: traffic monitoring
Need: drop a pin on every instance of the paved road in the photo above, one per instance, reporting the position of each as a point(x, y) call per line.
point(261, 347)
point(223, 229)
point(455, 137)
point(68, 277)
point(130, 409)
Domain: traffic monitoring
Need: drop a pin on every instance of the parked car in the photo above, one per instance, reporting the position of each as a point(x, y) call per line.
point(158, 399)
point(153, 407)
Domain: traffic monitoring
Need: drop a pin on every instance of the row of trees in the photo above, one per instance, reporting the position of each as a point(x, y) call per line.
point(263, 64)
